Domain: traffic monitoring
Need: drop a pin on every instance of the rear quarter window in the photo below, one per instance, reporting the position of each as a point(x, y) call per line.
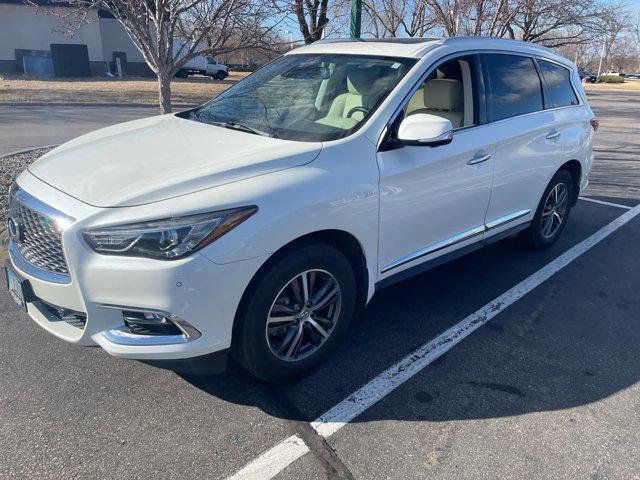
point(557, 79)
point(515, 86)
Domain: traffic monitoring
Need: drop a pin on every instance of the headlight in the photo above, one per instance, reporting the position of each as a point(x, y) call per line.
point(167, 239)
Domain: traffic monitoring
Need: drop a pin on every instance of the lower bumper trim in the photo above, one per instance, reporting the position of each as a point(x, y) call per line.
point(210, 364)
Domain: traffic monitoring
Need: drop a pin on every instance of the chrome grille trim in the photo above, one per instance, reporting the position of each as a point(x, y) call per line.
point(37, 247)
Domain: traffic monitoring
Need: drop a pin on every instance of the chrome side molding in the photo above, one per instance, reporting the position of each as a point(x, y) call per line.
point(498, 222)
point(456, 239)
point(434, 248)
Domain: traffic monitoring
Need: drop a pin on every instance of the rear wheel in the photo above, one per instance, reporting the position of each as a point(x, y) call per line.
point(552, 213)
point(296, 313)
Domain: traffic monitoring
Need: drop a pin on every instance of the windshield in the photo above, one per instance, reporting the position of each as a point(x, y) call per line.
point(306, 97)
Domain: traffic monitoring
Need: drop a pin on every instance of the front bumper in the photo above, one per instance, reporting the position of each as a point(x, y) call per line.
point(200, 296)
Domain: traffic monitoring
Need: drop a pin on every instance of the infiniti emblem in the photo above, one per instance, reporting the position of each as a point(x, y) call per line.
point(15, 229)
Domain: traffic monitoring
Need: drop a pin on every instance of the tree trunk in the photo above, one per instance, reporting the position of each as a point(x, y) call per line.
point(164, 91)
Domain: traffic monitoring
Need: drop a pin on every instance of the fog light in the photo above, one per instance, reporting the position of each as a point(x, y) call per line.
point(149, 323)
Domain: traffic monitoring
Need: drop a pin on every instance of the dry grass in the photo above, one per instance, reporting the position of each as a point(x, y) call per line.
point(629, 84)
point(194, 90)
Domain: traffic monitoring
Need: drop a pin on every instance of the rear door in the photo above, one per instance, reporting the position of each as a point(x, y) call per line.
point(530, 139)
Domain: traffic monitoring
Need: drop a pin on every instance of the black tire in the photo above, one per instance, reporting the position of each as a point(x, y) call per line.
point(181, 74)
point(251, 347)
point(221, 75)
point(534, 236)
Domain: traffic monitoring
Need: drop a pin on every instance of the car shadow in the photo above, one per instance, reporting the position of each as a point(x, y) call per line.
point(569, 342)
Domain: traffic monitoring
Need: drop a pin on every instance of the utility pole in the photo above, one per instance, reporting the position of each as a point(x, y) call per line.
point(355, 25)
point(604, 47)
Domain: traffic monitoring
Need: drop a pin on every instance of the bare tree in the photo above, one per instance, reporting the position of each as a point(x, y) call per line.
point(392, 18)
point(169, 33)
point(473, 17)
point(312, 17)
point(614, 23)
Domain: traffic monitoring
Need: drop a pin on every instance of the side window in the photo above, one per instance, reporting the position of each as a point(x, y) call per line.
point(515, 86)
point(558, 82)
point(449, 92)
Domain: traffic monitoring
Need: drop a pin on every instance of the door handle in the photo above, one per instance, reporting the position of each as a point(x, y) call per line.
point(552, 135)
point(476, 160)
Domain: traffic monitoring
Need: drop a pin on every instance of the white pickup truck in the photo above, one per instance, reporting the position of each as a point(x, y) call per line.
point(201, 65)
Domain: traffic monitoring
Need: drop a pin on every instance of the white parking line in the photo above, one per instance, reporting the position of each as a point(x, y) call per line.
point(602, 202)
point(271, 462)
point(286, 452)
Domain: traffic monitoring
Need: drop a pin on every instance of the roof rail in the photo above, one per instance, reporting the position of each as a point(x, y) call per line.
point(408, 40)
point(450, 40)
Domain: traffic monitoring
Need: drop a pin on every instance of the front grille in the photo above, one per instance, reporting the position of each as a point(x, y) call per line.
point(39, 239)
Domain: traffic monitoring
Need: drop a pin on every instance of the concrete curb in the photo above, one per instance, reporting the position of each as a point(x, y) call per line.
point(26, 150)
point(71, 104)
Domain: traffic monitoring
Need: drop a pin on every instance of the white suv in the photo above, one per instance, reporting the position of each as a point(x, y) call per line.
point(257, 224)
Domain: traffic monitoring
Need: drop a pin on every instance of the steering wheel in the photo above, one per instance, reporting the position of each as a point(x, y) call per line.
point(356, 110)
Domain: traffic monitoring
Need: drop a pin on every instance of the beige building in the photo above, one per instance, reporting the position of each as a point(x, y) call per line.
point(35, 41)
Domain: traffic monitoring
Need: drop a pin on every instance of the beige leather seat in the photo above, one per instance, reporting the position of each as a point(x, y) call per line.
point(363, 89)
point(440, 96)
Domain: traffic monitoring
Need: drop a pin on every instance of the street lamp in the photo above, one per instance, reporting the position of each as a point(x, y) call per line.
point(290, 33)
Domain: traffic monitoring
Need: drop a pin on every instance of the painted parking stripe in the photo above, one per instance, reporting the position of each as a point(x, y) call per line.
point(271, 462)
point(602, 202)
point(277, 458)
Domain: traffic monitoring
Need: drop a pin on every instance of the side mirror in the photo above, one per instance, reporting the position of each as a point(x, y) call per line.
point(425, 129)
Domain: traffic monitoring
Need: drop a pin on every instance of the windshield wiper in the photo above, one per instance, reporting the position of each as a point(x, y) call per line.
point(242, 128)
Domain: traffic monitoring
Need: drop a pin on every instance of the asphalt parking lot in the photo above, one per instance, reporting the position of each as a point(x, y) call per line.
point(548, 388)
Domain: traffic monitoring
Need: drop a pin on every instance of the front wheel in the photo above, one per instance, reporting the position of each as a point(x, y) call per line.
point(221, 75)
point(553, 212)
point(296, 313)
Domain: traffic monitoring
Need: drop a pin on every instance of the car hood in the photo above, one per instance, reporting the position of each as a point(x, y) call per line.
point(161, 157)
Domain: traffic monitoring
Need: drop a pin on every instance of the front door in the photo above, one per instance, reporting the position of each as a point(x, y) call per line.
point(433, 200)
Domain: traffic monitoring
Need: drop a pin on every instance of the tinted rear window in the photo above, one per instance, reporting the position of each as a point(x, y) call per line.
point(558, 82)
point(515, 86)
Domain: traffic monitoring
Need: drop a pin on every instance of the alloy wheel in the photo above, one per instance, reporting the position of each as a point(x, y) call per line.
point(554, 210)
point(303, 315)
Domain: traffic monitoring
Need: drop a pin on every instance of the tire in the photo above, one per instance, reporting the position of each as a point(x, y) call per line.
point(221, 75)
point(263, 350)
point(181, 74)
point(540, 235)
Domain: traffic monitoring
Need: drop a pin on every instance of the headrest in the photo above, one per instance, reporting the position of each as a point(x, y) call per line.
point(366, 80)
point(443, 94)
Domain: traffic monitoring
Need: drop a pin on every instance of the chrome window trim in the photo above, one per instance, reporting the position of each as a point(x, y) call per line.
point(463, 53)
point(23, 265)
point(449, 242)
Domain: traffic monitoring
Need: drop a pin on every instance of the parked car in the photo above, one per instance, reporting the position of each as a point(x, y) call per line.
point(591, 77)
point(200, 65)
point(258, 223)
